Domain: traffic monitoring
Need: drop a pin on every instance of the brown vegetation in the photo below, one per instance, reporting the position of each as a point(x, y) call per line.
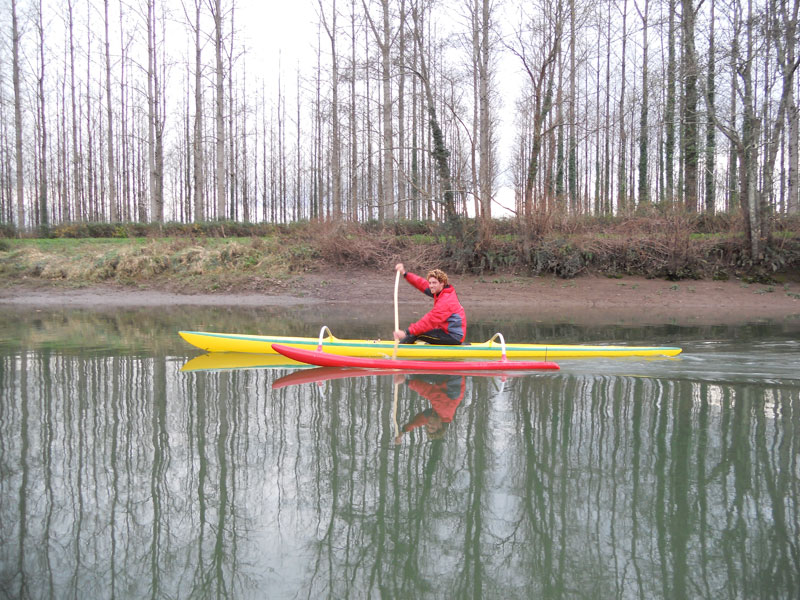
point(672, 248)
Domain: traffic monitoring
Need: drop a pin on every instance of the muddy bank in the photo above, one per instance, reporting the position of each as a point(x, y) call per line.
point(585, 299)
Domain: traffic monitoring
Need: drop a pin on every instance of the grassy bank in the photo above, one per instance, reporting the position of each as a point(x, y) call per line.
point(230, 257)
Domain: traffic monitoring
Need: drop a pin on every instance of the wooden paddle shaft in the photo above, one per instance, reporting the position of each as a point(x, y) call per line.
point(396, 313)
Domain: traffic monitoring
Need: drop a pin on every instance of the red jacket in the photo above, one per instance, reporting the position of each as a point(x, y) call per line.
point(447, 313)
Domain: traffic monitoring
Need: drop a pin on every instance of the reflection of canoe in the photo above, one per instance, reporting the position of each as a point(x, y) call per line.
point(262, 344)
point(321, 374)
point(218, 361)
point(325, 359)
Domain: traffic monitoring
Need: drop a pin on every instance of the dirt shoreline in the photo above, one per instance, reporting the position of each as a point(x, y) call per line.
point(584, 299)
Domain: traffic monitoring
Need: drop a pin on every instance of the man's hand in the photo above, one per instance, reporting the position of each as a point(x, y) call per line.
point(401, 268)
point(399, 334)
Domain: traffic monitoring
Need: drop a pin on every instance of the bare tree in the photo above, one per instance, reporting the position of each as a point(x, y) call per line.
point(112, 175)
point(787, 22)
point(622, 186)
point(572, 158)
point(669, 116)
point(485, 177)
point(644, 186)
point(77, 190)
point(155, 119)
point(745, 141)
point(690, 135)
point(44, 221)
point(353, 208)
point(538, 57)
point(773, 125)
point(711, 142)
point(336, 145)
point(198, 161)
point(441, 154)
point(15, 38)
point(384, 39)
point(219, 115)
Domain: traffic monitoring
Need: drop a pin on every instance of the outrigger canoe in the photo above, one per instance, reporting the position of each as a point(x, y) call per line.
point(491, 349)
point(321, 358)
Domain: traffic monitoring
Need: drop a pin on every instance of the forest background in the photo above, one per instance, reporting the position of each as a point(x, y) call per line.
point(656, 137)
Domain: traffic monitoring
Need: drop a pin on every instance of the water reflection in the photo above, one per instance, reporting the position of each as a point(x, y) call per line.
point(123, 476)
point(443, 392)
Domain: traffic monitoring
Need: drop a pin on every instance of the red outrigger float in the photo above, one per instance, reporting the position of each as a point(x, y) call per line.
point(324, 359)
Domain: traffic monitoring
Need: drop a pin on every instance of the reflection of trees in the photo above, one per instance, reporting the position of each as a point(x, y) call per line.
point(670, 491)
point(114, 497)
point(122, 476)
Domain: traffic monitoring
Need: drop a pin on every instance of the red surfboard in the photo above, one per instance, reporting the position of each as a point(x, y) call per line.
point(324, 359)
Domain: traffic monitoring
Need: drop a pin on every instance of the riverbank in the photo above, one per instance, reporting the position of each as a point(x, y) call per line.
point(587, 299)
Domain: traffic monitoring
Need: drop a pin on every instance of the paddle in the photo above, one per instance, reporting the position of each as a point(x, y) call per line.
point(396, 313)
point(394, 414)
point(394, 355)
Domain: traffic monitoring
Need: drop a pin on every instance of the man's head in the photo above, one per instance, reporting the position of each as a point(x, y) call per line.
point(437, 280)
point(435, 427)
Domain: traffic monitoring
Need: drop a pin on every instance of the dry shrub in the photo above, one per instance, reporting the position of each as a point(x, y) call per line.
point(141, 263)
point(42, 265)
point(344, 245)
point(191, 260)
point(351, 246)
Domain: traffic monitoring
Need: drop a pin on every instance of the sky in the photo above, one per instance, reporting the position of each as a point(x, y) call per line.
point(278, 28)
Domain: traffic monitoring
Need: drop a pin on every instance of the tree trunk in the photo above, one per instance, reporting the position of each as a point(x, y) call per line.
point(232, 172)
point(155, 126)
point(112, 172)
point(402, 176)
point(689, 122)
point(622, 187)
point(15, 36)
point(219, 113)
point(353, 212)
point(711, 142)
point(607, 204)
point(336, 144)
point(749, 146)
point(388, 129)
point(77, 177)
point(384, 40)
point(198, 170)
point(644, 188)
point(669, 116)
point(485, 123)
point(572, 140)
point(542, 78)
point(773, 130)
point(734, 191)
point(441, 154)
point(789, 14)
point(44, 221)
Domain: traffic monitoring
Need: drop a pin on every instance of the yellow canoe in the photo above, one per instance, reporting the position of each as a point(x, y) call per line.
point(491, 349)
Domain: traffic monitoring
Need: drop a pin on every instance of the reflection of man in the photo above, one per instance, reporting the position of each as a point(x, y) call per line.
point(445, 393)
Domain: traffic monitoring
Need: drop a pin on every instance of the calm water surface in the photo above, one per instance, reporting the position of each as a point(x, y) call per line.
point(122, 476)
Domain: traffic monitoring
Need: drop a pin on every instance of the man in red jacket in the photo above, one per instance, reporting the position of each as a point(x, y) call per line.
point(446, 323)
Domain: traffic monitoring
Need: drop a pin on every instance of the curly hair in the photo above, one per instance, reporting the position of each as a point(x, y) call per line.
point(439, 275)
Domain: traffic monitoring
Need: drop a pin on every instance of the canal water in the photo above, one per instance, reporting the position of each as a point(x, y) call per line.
point(131, 468)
